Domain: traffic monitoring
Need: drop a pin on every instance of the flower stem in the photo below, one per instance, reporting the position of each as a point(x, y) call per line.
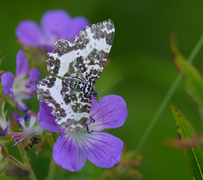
point(52, 164)
point(16, 162)
point(166, 99)
point(23, 154)
point(27, 162)
point(52, 169)
point(50, 140)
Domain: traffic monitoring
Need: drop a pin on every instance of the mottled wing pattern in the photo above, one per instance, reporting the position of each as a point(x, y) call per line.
point(62, 60)
point(83, 60)
point(86, 57)
point(70, 107)
point(92, 47)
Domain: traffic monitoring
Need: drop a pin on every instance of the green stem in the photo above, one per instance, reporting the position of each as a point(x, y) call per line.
point(32, 174)
point(27, 162)
point(50, 139)
point(52, 164)
point(23, 154)
point(52, 169)
point(166, 99)
point(16, 162)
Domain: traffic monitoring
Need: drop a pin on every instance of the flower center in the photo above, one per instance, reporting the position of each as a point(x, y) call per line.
point(20, 90)
point(87, 128)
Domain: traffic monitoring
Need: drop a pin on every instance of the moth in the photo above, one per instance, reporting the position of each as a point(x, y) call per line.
point(78, 66)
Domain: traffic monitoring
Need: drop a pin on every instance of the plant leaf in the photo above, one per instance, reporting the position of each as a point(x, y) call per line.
point(194, 155)
point(193, 80)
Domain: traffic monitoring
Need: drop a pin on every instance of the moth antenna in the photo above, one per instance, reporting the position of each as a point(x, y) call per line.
point(110, 85)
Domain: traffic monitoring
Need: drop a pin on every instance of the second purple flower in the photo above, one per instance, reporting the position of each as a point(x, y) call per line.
point(55, 25)
point(19, 86)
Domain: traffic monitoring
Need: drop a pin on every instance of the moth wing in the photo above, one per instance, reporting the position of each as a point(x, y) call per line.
point(71, 108)
point(92, 47)
point(62, 61)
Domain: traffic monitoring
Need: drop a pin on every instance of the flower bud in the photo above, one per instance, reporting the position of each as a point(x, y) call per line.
point(3, 158)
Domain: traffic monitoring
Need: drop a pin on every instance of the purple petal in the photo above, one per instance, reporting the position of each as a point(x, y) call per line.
point(29, 33)
point(75, 26)
point(93, 99)
point(48, 48)
point(34, 76)
point(22, 64)
point(109, 112)
point(46, 119)
point(21, 105)
point(7, 80)
point(4, 132)
point(69, 153)
point(54, 24)
point(104, 150)
point(19, 117)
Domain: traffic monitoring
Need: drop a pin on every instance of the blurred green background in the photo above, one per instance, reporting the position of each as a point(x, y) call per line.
point(141, 55)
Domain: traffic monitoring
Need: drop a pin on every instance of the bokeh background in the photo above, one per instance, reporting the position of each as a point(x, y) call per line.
point(141, 55)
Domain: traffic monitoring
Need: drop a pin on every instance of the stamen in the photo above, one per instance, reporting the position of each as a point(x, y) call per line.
point(86, 125)
point(92, 120)
point(28, 93)
point(87, 128)
point(88, 131)
point(12, 146)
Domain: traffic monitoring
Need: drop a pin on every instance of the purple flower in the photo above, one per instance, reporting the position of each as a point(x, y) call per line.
point(55, 25)
point(21, 87)
point(72, 149)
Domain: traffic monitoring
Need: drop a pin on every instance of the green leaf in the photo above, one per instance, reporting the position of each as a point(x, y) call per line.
point(193, 80)
point(194, 155)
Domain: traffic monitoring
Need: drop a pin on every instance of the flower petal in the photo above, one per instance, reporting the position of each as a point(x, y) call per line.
point(104, 150)
point(108, 112)
point(7, 80)
point(34, 75)
point(29, 33)
point(46, 119)
point(22, 64)
point(75, 26)
point(3, 132)
point(54, 24)
point(20, 117)
point(48, 48)
point(21, 105)
point(69, 153)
